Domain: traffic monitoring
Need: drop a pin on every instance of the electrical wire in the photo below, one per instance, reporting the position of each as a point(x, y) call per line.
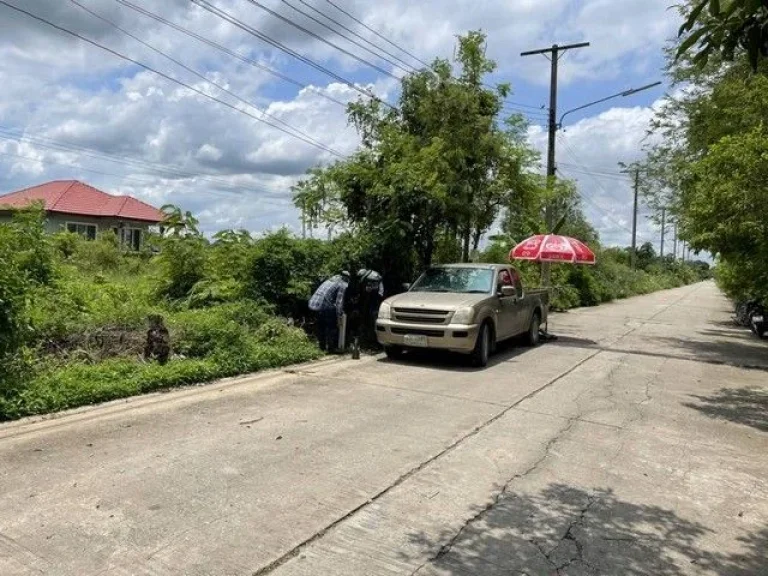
point(294, 131)
point(387, 40)
point(225, 50)
point(600, 186)
point(226, 16)
point(124, 177)
point(165, 170)
point(348, 39)
point(153, 70)
point(321, 39)
point(360, 36)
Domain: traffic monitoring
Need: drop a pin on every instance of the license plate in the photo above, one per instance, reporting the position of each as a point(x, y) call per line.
point(757, 319)
point(416, 340)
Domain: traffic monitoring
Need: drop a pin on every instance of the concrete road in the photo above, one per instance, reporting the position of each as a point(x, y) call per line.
point(635, 444)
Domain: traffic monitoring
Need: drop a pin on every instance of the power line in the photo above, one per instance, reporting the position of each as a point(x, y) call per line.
point(225, 50)
point(170, 171)
point(282, 47)
point(298, 133)
point(541, 109)
point(122, 176)
point(361, 37)
point(608, 213)
point(364, 25)
point(347, 38)
point(596, 174)
point(155, 71)
point(323, 40)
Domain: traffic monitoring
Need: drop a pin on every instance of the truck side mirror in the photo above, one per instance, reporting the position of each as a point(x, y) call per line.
point(507, 291)
point(406, 286)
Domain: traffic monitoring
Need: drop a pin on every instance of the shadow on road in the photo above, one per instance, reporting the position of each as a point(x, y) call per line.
point(505, 352)
point(748, 406)
point(566, 530)
point(749, 355)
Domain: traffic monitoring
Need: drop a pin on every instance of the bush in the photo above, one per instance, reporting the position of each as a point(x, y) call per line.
point(80, 384)
point(183, 262)
point(198, 333)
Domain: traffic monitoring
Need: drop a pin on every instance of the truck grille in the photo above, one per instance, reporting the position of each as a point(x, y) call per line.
point(421, 316)
point(418, 332)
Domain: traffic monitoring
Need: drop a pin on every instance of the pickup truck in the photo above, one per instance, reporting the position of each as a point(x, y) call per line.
point(464, 308)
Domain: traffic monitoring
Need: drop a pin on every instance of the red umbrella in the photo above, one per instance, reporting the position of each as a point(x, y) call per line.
point(553, 248)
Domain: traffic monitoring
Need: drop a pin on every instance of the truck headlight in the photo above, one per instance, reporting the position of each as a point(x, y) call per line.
point(384, 311)
point(464, 316)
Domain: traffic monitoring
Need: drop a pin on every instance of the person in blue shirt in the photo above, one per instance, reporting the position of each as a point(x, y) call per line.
point(328, 305)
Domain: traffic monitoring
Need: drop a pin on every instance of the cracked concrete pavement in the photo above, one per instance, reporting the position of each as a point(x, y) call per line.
point(637, 443)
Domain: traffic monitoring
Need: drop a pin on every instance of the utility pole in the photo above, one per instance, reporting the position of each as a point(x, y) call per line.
point(553, 53)
point(663, 230)
point(674, 239)
point(633, 254)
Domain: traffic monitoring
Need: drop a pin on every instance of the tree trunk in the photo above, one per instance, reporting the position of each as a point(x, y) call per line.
point(476, 235)
point(465, 244)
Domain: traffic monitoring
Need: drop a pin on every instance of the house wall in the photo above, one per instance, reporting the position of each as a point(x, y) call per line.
point(58, 222)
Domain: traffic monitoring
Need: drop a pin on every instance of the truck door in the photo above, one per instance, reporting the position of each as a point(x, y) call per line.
point(522, 307)
point(507, 319)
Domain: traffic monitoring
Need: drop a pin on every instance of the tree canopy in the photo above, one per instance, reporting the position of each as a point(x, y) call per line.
point(709, 166)
point(433, 172)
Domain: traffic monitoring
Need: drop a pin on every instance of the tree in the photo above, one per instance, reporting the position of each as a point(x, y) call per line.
point(708, 165)
point(178, 223)
point(726, 28)
point(435, 170)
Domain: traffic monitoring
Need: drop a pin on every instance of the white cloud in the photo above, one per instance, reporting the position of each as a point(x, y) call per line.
point(589, 152)
point(233, 170)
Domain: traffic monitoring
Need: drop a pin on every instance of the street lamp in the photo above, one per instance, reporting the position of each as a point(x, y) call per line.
point(619, 95)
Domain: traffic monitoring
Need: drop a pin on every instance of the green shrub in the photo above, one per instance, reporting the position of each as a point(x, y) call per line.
point(198, 333)
point(80, 384)
point(183, 262)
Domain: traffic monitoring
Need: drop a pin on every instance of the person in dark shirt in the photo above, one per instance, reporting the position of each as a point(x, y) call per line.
point(328, 305)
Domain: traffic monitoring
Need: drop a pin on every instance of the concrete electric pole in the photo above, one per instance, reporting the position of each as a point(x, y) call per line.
point(633, 254)
point(663, 230)
point(553, 53)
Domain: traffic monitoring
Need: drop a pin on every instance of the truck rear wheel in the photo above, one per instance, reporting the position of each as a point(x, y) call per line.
point(482, 350)
point(532, 337)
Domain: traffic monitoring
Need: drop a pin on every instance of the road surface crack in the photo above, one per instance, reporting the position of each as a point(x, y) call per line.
point(498, 497)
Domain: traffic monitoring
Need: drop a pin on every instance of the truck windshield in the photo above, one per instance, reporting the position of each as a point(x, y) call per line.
point(460, 280)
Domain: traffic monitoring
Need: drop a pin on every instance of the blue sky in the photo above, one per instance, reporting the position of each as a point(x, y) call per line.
point(237, 172)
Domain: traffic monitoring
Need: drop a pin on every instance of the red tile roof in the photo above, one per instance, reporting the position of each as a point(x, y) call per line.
point(75, 197)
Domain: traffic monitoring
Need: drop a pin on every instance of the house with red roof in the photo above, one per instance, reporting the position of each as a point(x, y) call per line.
point(77, 207)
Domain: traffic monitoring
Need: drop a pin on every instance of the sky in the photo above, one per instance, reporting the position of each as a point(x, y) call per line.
point(71, 110)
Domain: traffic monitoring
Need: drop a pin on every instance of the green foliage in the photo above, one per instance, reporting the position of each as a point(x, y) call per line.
point(433, 174)
point(183, 261)
point(710, 166)
point(727, 29)
point(14, 290)
point(283, 270)
point(33, 250)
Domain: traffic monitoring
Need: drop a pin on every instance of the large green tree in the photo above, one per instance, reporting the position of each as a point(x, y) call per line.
point(707, 167)
point(437, 168)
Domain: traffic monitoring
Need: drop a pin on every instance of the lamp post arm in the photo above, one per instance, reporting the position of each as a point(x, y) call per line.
point(619, 95)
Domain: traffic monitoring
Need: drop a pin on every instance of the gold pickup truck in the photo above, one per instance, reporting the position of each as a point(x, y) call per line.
point(465, 308)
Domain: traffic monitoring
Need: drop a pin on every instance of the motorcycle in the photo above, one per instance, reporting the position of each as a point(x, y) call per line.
point(757, 321)
point(751, 314)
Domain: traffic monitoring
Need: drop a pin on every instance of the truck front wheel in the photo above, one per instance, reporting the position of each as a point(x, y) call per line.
point(393, 352)
point(482, 350)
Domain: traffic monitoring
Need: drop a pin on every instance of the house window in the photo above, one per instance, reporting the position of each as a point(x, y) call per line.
point(131, 238)
point(85, 230)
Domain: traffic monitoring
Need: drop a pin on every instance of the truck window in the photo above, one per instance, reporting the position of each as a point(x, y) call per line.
point(518, 283)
